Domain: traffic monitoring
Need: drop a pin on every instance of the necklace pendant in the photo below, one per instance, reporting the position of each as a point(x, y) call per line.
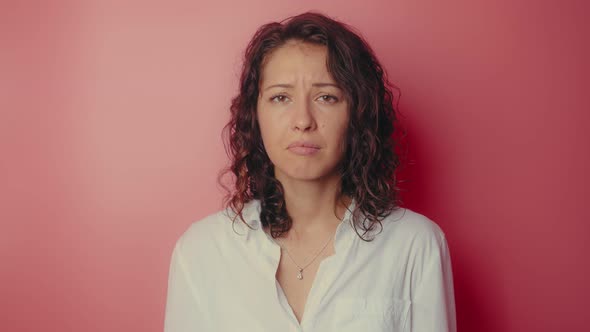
point(300, 274)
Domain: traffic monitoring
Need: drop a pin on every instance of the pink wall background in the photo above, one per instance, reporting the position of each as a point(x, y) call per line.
point(110, 119)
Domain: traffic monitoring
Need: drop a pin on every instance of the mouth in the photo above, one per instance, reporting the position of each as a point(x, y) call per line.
point(303, 148)
point(303, 144)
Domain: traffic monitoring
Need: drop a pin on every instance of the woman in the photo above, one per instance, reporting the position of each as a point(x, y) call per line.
point(312, 238)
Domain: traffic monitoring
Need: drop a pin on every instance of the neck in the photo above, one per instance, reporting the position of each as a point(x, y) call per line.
point(314, 206)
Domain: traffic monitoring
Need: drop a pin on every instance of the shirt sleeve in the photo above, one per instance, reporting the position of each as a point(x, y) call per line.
point(433, 304)
point(184, 312)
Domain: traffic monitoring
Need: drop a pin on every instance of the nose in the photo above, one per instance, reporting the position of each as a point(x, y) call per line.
point(303, 119)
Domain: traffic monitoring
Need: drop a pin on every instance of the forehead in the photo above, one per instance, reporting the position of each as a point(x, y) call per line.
point(295, 60)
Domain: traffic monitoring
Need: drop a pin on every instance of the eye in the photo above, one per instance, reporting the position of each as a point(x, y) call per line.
point(279, 98)
point(328, 99)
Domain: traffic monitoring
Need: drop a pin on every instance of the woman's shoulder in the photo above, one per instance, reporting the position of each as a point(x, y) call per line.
point(413, 222)
point(206, 226)
point(408, 226)
point(214, 230)
point(203, 233)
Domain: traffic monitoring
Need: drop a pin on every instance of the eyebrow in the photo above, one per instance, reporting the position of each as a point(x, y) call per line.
point(318, 85)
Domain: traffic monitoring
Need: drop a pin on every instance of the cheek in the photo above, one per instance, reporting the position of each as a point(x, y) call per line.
point(263, 123)
point(269, 132)
point(341, 137)
point(337, 129)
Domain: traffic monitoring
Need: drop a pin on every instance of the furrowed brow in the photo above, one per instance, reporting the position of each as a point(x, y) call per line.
point(290, 86)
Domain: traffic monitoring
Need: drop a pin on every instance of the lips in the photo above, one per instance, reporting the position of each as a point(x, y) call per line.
point(303, 148)
point(303, 144)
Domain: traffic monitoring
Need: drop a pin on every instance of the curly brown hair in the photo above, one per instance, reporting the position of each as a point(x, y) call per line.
point(371, 158)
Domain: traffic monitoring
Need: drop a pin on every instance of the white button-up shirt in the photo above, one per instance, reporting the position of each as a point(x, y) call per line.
point(223, 278)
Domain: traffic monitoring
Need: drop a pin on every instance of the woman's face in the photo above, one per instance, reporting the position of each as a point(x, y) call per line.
point(302, 113)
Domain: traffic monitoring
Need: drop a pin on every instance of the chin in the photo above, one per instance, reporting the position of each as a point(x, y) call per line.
point(306, 174)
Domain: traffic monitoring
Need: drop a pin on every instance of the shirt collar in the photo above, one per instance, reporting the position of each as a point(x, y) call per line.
point(251, 214)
